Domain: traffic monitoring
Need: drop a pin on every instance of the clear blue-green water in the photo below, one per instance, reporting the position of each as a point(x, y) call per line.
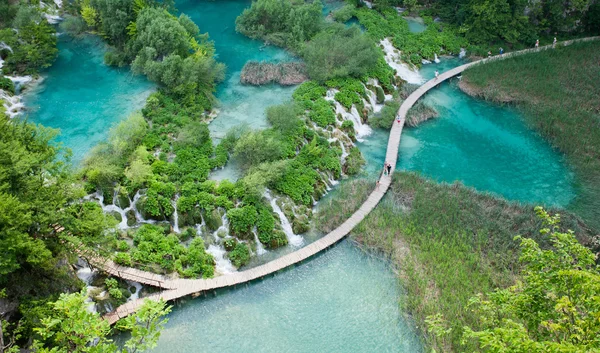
point(239, 104)
point(340, 301)
point(415, 24)
point(343, 300)
point(83, 97)
point(480, 144)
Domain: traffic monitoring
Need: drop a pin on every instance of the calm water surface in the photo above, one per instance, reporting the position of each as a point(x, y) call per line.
point(82, 96)
point(341, 301)
point(480, 144)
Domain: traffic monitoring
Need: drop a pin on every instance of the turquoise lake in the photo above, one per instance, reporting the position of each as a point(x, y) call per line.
point(480, 144)
point(82, 96)
point(340, 301)
point(239, 104)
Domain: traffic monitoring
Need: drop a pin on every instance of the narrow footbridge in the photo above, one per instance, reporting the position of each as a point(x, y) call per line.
point(174, 288)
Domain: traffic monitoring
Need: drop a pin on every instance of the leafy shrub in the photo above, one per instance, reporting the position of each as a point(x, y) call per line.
point(354, 161)
point(339, 52)
point(240, 254)
point(241, 220)
point(322, 113)
point(7, 85)
point(344, 13)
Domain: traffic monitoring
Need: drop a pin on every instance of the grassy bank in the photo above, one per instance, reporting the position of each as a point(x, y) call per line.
point(448, 242)
point(558, 92)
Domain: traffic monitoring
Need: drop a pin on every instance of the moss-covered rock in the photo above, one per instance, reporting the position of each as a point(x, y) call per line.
point(213, 219)
point(300, 224)
point(116, 215)
point(380, 95)
point(131, 220)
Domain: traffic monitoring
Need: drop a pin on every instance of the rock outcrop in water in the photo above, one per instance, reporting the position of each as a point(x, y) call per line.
point(262, 73)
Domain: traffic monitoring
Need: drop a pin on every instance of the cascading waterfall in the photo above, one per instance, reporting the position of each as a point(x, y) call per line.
point(373, 96)
point(361, 129)
point(12, 104)
point(392, 57)
point(175, 215)
point(138, 289)
point(86, 274)
point(222, 264)
point(462, 53)
point(436, 59)
point(293, 239)
point(260, 249)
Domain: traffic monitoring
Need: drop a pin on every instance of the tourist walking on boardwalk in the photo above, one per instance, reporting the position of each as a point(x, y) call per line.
point(554, 42)
point(489, 53)
point(389, 169)
point(385, 168)
point(537, 43)
point(436, 74)
point(501, 51)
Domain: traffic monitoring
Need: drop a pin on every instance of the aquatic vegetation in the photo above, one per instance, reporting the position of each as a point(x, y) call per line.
point(448, 250)
point(557, 90)
point(261, 73)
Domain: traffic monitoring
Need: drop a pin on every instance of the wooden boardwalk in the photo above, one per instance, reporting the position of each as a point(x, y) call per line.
point(177, 288)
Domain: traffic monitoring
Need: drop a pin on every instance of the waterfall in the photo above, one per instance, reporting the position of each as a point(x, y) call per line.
point(293, 239)
point(12, 104)
point(175, 215)
point(138, 288)
point(222, 264)
point(260, 249)
point(373, 97)
point(436, 59)
point(86, 275)
point(392, 57)
point(462, 53)
point(361, 129)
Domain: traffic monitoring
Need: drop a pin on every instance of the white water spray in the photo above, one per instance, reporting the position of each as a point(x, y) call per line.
point(293, 239)
point(392, 57)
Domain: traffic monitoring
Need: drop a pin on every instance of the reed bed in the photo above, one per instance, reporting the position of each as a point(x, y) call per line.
point(447, 242)
point(559, 93)
point(262, 73)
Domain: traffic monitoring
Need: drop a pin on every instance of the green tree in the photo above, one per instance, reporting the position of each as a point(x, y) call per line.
point(553, 307)
point(113, 17)
point(71, 328)
point(339, 52)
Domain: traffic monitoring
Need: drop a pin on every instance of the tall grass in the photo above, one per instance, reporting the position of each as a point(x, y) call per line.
point(559, 92)
point(448, 242)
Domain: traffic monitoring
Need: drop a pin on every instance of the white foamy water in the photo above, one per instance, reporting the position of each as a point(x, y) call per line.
point(361, 130)
point(222, 264)
point(392, 57)
point(260, 249)
point(293, 239)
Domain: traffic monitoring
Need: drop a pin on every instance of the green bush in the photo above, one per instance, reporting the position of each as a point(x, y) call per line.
point(322, 113)
point(239, 255)
point(344, 13)
point(281, 22)
point(242, 220)
point(7, 85)
point(339, 52)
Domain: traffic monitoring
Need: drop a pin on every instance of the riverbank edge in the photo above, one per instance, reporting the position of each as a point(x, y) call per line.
point(444, 252)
